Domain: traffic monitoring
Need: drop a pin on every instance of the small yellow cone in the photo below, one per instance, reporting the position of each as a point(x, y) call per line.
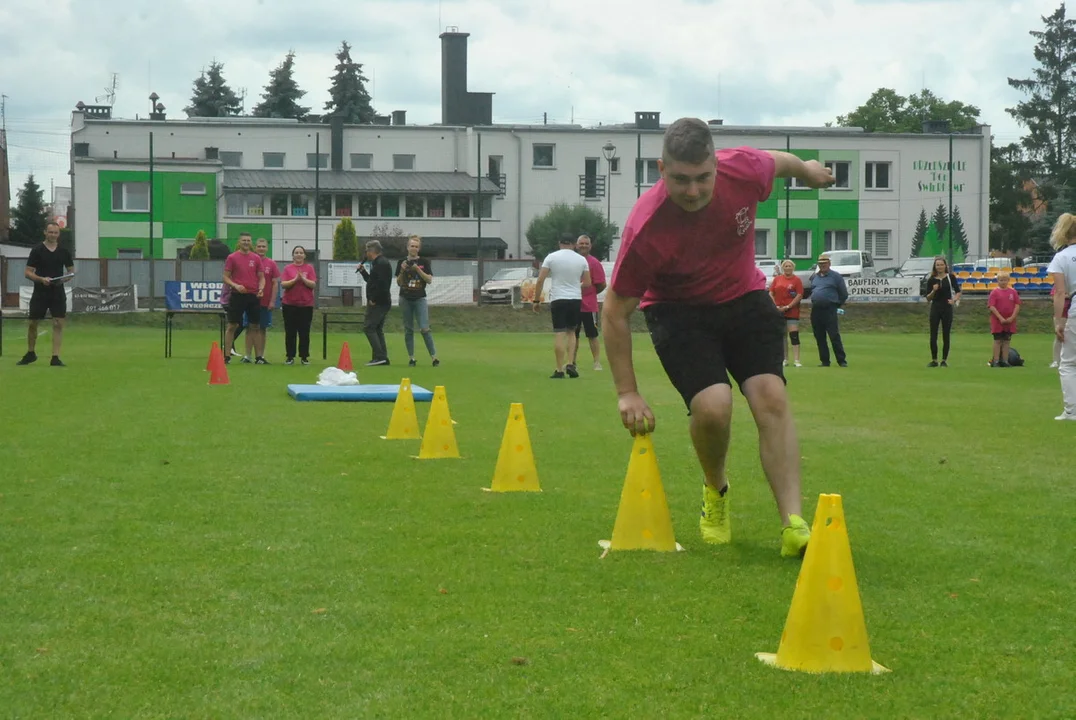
point(642, 521)
point(403, 425)
point(515, 469)
point(825, 631)
point(439, 437)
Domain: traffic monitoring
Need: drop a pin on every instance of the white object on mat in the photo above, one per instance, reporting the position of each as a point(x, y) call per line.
point(336, 376)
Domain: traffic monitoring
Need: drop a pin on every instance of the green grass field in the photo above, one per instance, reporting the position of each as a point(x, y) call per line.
point(173, 549)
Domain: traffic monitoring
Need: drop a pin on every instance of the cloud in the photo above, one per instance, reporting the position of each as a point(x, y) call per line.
point(783, 62)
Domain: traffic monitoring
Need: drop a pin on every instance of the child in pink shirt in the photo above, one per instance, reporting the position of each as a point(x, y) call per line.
point(1004, 305)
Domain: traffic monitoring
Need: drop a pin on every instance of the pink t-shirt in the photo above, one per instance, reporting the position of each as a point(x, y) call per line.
point(705, 257)
point(272, 272)
point(298, 294)
point(1005, 301)
point(590, 294)
point(245, 268)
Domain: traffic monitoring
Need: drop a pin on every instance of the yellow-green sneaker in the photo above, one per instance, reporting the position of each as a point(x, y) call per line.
point(714, 523)
point(794, 537)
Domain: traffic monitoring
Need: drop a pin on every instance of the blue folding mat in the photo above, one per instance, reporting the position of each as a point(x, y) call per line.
point(356, 393)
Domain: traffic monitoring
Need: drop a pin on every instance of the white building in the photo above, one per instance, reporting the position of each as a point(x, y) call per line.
point(468, 178)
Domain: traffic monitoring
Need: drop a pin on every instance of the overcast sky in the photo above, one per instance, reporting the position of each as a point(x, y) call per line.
point(773, 62)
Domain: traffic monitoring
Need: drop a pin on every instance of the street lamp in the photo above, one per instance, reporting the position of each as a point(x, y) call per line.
point(609, 151)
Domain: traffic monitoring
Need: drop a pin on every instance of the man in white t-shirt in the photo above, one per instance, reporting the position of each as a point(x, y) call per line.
point(568, 274)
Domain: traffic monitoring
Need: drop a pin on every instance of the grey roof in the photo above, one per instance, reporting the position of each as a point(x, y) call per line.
point(359, 181)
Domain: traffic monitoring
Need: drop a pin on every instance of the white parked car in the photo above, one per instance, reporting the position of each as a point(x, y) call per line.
point(498, 289)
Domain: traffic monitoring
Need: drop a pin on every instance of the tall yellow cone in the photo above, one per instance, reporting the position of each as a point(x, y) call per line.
point(439, 438)
point(825, 631)
point(515, 463)
point(642, 521)
point(403, 425)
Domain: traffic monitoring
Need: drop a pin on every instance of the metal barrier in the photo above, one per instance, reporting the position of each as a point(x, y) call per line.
point(347, 319)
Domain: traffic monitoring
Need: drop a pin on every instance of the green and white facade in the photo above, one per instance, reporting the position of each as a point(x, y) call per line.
point(454, 185)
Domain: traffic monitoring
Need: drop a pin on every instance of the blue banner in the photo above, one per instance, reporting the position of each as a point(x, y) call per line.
point(183, 295)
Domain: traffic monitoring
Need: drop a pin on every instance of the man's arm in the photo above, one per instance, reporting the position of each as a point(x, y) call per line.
point(1059, 305)
point(812, 173)
point(542, 275)
point(616, 324)
point(842, 290)
point(585, 280)
point(261, 282)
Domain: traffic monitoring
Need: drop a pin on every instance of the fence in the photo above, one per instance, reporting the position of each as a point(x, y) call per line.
point(96, 272)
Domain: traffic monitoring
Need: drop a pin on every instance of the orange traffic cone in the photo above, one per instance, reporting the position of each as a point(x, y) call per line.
point(212, 351)
point(218, 372)
point(344, 363)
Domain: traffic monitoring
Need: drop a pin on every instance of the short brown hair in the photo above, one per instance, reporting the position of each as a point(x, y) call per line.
point(688, 140)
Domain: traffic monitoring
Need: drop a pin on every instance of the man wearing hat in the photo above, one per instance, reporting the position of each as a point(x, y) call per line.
point(828, 293)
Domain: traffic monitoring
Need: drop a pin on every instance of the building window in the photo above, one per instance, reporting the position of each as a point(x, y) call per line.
point(614, 165)
point(130, 196)
point(367, 205)
point(234, 204)
point(362, 161)
point(544, 155)
point(876, 242)
point(390, 206)
point(435, 206)
point(317, 160)
point(414, 206)
point(325, 205)
point(485, 206)
point(278, 204)
point(403, 162)
point(238, 204)
point(230, 159)
point(762, 243)
point(461, 206)
point(798, 243)
point(255, 204)
point(192, 188)
point(876, 176)
point(836, 240)
point(343, 206)
point(794, 183)
point(300, 205)
point(842, 171)
point(646, 171)
point(273, 160)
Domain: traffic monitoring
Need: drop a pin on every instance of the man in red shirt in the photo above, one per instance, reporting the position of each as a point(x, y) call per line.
point(245, 276)
point(588, 310)
point(687, 260)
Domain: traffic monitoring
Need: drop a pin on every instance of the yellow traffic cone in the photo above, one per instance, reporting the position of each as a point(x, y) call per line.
point(515, 469)
point(439, 438)
point(403, 425)
point(825, 631)
point(642, 521)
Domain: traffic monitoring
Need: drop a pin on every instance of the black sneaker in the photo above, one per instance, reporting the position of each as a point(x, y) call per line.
point(228, 360)
point(944, 364)
point(436, 362)
point(842, 364)
point(305, 361)
point(557, 375)
point(289, 361)
point(411, 363)
point(932, 363)
point(27, 359)
point(377, 362)
point(823, 364)
point(56, 361)
point(246, 360)
point(572, 372)
point(261, 361)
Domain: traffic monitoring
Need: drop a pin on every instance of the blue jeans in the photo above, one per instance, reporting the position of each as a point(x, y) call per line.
point(416, 311)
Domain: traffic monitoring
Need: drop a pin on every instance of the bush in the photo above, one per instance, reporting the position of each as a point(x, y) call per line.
point(345, 241)
point(200, 249)
point(544, 231)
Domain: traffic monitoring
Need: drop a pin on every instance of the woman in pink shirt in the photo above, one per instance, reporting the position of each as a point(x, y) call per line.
point(297, 305)
point(1004, 305)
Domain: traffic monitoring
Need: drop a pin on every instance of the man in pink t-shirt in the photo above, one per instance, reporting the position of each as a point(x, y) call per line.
point(245, 278)
point(260, 323)
point(687, 259)
point(588, 310)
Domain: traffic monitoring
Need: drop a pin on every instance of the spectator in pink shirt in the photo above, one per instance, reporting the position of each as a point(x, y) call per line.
point(588, 311)
point(297, 305)
point(1004, 305)
point(259, 323)
point(244, 276)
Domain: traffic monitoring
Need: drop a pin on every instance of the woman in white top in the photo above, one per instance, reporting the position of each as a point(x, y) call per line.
point(1063, 271)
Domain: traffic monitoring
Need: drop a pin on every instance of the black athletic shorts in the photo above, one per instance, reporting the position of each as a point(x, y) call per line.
point(701, 345)
point(50, 299)
point(588, 324)
point(248, 303)
point(565, 314)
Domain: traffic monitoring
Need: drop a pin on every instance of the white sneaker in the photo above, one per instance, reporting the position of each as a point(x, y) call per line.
point(799, 364)
point(597, 366)
point(235, 354)
point(784, 364)
point(1065, 416)
point(1053, 365)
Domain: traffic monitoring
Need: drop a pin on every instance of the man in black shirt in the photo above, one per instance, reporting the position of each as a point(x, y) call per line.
point(378, 301)
point(46, 265)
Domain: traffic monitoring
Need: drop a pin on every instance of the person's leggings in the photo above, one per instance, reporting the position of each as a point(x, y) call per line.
point(940, 314)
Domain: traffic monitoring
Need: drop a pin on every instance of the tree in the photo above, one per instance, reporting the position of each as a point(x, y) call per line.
point(348, 96)
point(211, 96)
point(888, 111)
point(920, 234)
point(1049, 113)
point(345, 241)
point(29, 216)
point(959, 236)
point(200, 249)
point(282, 94)
point(544, 231)
point(392, 238)
point(1010, 200)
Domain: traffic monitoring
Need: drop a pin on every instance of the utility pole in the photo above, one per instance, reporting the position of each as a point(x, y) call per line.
point(3, 113)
